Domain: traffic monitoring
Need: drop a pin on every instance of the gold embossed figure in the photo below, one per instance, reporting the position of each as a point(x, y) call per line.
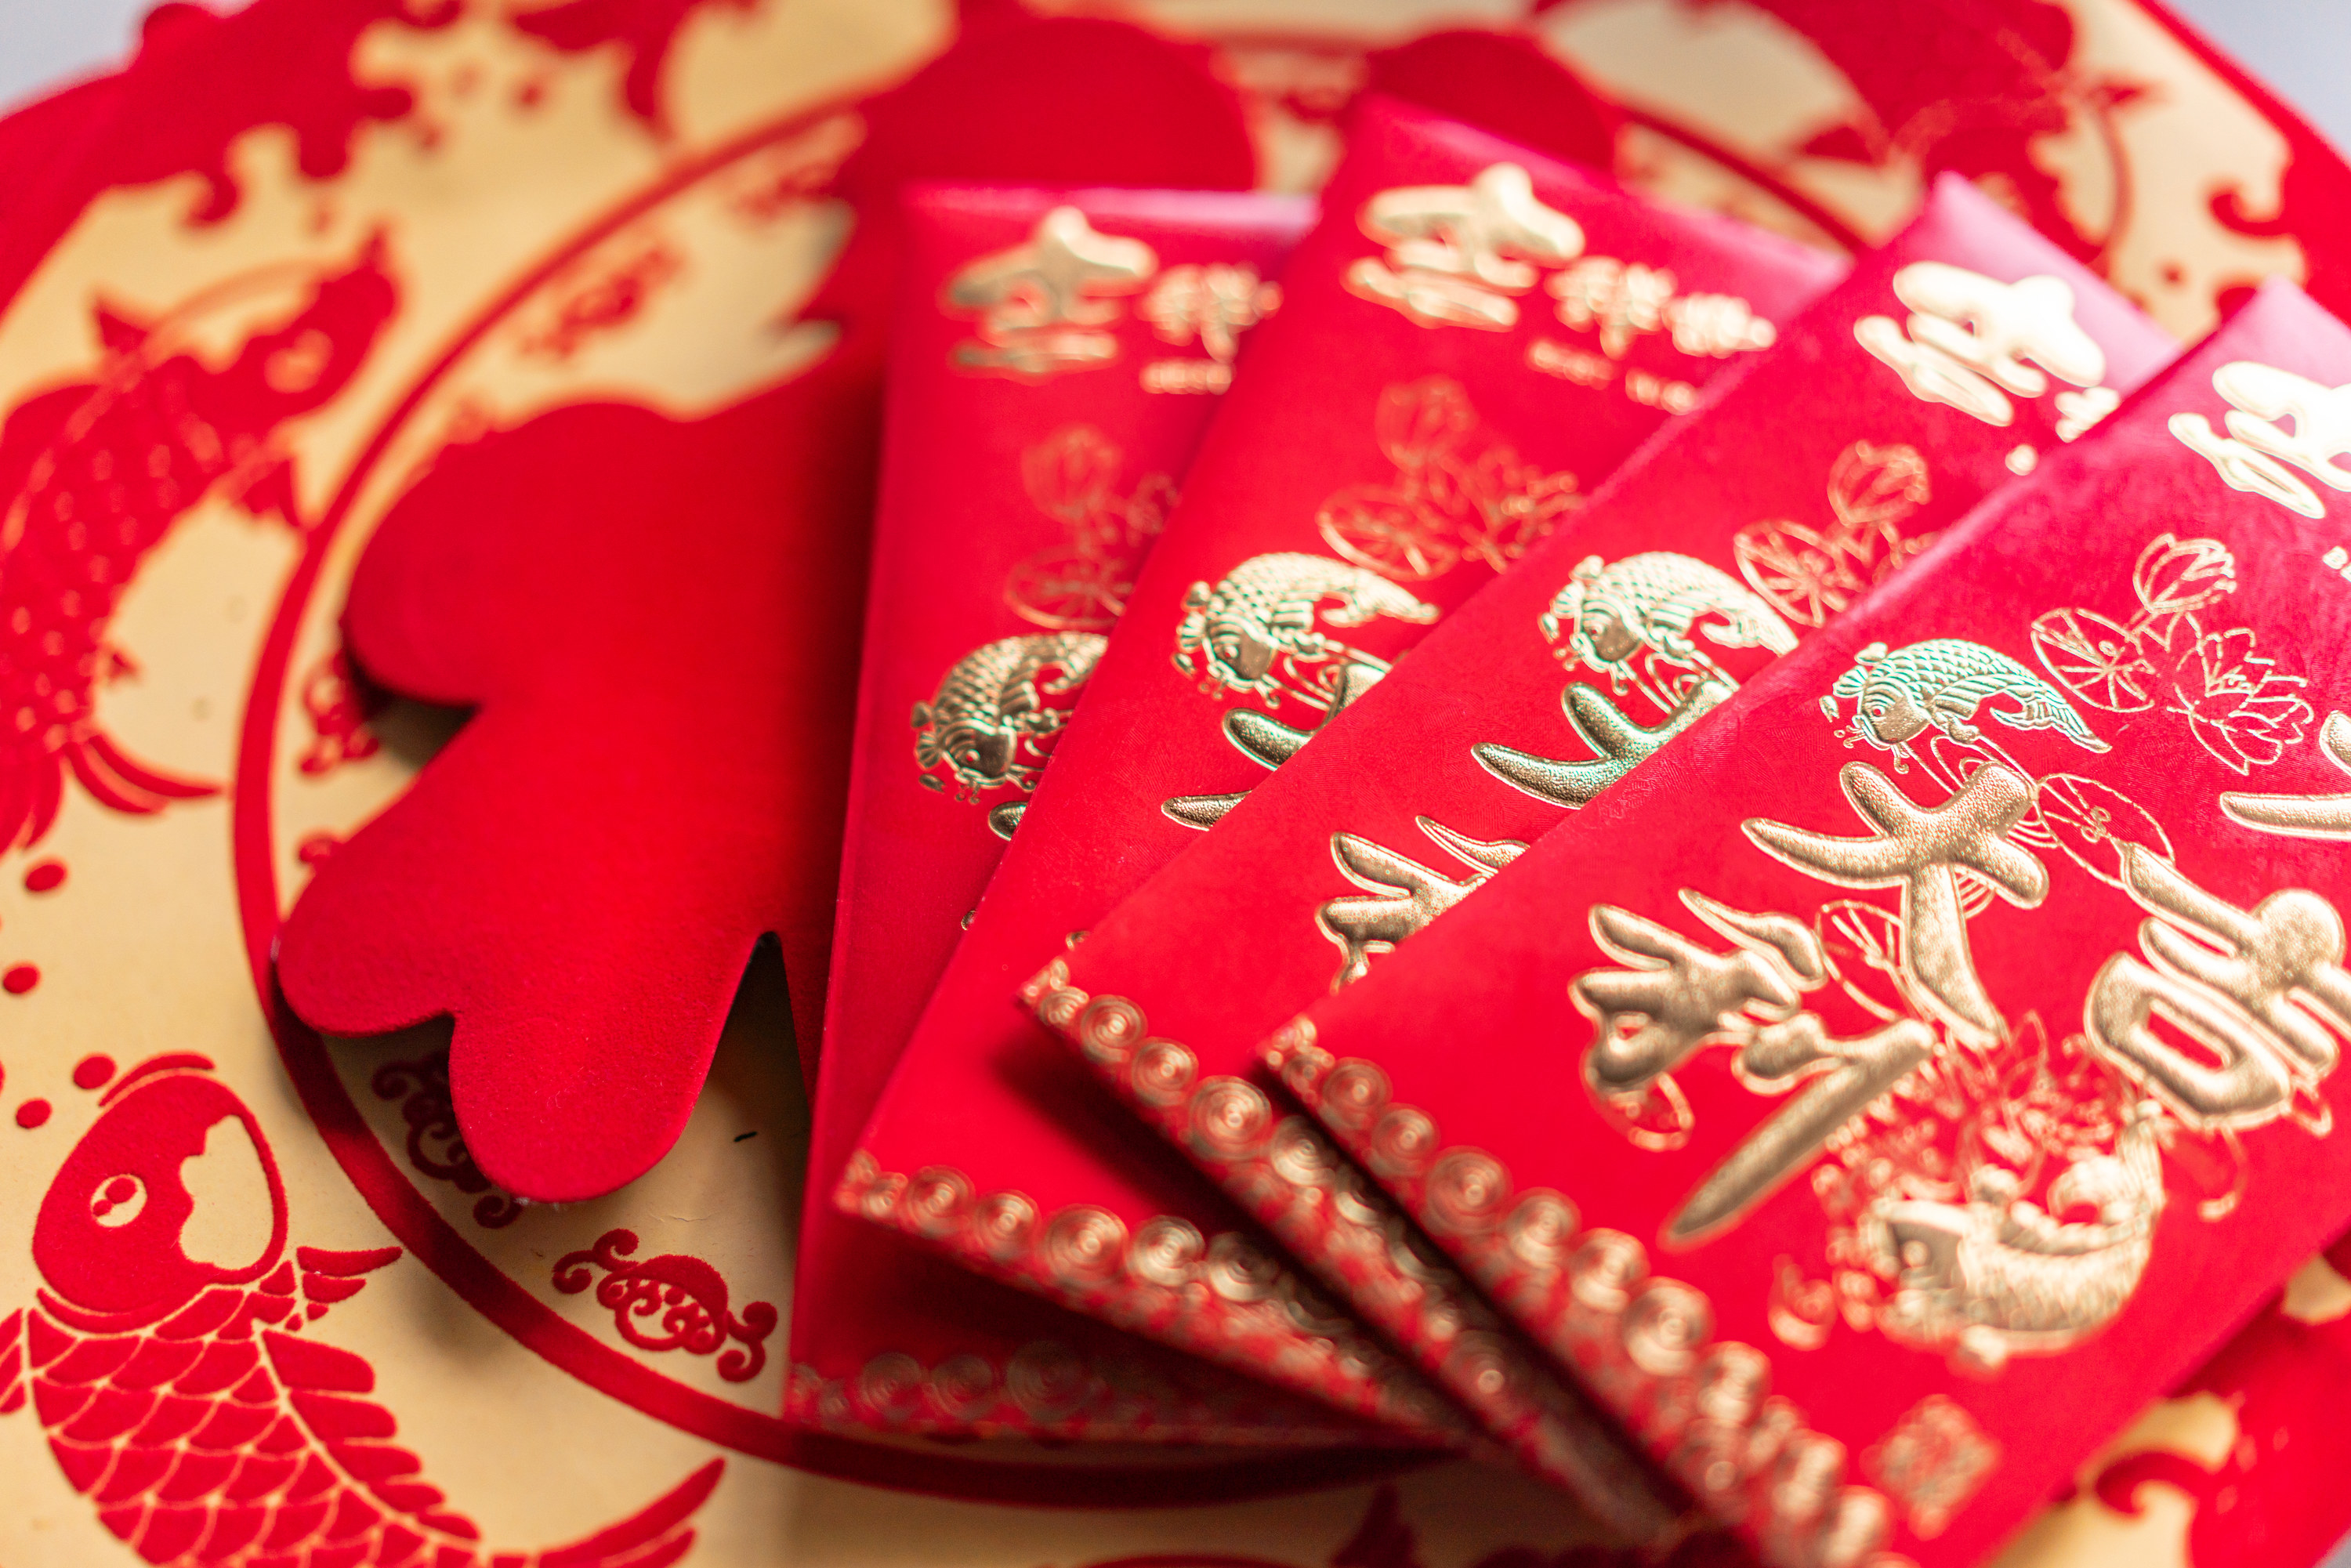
point(991, 723)
point(1258, 631)
point(2174, 655)
point(1082, 584)
point(1623, 618)
point(1998, 1274)
point(2302, 816)
point(1943, 685)
point(1811, 574)
point(1043, 307)
point(1460, 493)
point(1971, 341)
point(1457, 255)
point(2258, 451)
point(2261, 995)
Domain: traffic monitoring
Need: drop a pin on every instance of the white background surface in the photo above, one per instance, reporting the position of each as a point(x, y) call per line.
point(43, 41)
point(2302, 47)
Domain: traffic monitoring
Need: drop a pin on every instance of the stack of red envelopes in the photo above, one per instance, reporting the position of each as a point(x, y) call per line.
point(1501, 816)
point(1893, 1046)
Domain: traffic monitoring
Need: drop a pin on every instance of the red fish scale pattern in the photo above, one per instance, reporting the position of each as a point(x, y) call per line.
point(94, 508)
point(217, 1438)
point(95, 475)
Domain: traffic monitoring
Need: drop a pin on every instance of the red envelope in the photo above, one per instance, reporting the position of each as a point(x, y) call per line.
point(1832, 463)
point(1413, 419)
point(1053, 365)
point(2010, 901)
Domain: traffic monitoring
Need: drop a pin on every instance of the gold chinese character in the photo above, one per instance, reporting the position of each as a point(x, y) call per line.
point(1618, 744)
point(1660, 392)
point(1457, 253)
point(1215, 303)
point(2302, 816)
point(1043, 306)
point(1923, 851)
point(1267, 741)
point(1570, 364)
point(1620, 300)
point(1971, 341)
point(1406, 894)
point(1717, 326)
point(1857, 1071)
point(2255, 454)
point(2260, 992)
point(1932, 1461)
point(2079, 411)
point(1677, 997)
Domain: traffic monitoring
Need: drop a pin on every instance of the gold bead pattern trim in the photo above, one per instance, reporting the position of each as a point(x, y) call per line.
point(1285, 1171)
point(1044, 1389)
point(1224, 1298)
point(1637, 1340)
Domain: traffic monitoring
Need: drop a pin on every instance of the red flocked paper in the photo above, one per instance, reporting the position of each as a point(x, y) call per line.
point(655, 620)
point(1882, 1094)
point(1427, 405)
point(1828, 467)
point(1055, 358)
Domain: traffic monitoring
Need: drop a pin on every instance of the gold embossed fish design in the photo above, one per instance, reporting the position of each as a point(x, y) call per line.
point(990, 722)
point(1998, 1276)
point(1637, 622)
point(1941, 684)
point(1259, 623)
point(1611, 611)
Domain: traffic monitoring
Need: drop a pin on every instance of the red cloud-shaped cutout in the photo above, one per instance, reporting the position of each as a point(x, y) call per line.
point(655, 621)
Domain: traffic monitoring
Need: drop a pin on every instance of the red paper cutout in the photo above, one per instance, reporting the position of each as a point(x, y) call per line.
point(95, 475)
point(1502, 83)
point(174, 1392)
point(656, 620)
point(434, 1148)
point(1966, 89)
point(64, 150)
point(300, 77)
point(645, 31)
point(688, 1296)
point(339, 704)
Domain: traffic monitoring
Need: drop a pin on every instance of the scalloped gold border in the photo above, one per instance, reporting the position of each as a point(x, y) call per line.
point(1045, 1389)
point(1639, 1342)
point(1224, 1298)
point(1289, 1176)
